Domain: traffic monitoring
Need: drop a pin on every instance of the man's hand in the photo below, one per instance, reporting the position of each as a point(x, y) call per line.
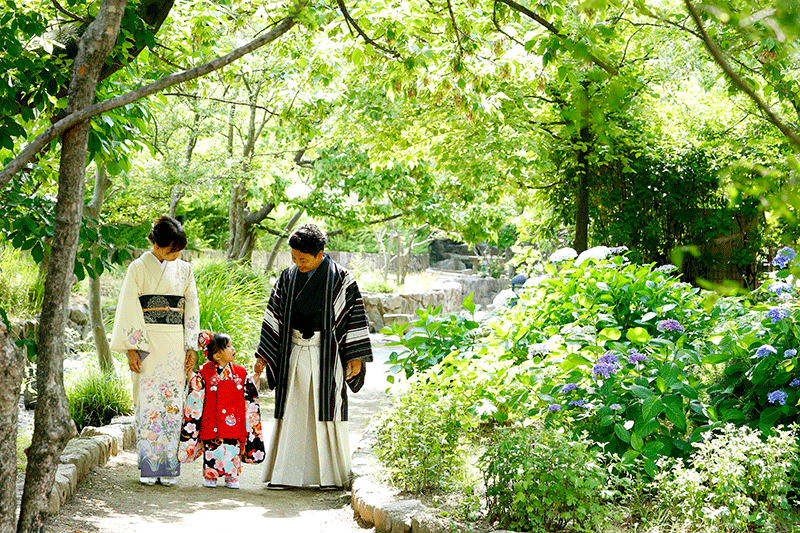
point(259, 367)
point(353, 369)
point(134, 362)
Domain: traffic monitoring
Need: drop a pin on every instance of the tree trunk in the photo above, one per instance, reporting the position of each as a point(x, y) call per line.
point(11, 370)
point(53, 427)
point(581, 242)
point(175, 196)
point(93, 210)
point(286, 229)
point(384, 254)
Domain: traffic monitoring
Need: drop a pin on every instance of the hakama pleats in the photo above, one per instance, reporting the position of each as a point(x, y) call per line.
point(304, 451)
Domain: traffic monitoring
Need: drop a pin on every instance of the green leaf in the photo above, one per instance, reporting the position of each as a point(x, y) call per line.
point(638, 334)
point(641, 392)
point(652, 407)
point(623, 434)
point(611, 334)
point(673, 406)
point(637, 442)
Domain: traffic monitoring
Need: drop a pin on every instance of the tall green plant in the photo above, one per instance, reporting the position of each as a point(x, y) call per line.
point(96, 397)
point(232, 300)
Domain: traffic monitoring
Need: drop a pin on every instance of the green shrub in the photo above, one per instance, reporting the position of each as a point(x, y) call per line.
point(538, 479)
point(421, 439)
point(96, 397)
point(232, 300)
point(735, 482)
point(20, 294)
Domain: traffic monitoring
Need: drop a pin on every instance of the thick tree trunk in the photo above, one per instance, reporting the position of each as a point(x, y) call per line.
point(93, 210)
point(53, 427)
point(175, 196)
point(581, 242)
point(11, 370)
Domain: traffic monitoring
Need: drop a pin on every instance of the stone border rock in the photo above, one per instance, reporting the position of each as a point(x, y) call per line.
point(378, 504)
point(92, 448)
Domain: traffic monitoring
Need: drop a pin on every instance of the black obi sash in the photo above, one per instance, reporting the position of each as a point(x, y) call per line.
point(162, 308)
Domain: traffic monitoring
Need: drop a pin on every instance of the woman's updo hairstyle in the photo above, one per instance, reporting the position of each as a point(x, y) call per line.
point(308, 239)
point(212, 343)
point(168, 233)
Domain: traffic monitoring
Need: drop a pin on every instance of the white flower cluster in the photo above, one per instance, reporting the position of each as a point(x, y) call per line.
point(563, 254)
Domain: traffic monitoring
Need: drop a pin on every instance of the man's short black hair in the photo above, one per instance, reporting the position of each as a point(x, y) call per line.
point(308, 239)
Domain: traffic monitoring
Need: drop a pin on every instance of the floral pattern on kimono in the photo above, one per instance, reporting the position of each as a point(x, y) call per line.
point(221, 457)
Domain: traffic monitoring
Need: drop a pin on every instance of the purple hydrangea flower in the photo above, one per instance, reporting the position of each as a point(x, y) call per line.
point(568, 387)
point(777, 396)
point(615, 407)
point(784, 257)
point(779, 287)
point(795, 382)
point(636, 357)
point(577, 403)
point(765, 350)
point(776, 314)
point(669, 324)
point(791, 352)
point(553, 407)
point(607, 364)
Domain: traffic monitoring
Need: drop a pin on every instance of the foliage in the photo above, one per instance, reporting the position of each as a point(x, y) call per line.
point(29, 222)
point(735, 481)
point(431, 338)
point(421, 440)
point(20, 290)
point(96, 397)
point(540, 479)
point(757, 345)
point(376, 283)
point(232, 300)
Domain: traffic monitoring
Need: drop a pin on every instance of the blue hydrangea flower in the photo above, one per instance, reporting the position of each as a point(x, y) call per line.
point(776, 314)
point(784, 257)
point(777, 396)
point(553, 407)
point(577, 403)
point(669, 324)
point(568, 387)
point(765, 350)
point(791, 352)
point(795, 382)
point(607, 364)
point(779, 287)
point(666, 269)
point(636, 357)
point(615, 407)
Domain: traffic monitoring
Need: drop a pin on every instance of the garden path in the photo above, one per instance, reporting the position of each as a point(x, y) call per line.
point(111, 500)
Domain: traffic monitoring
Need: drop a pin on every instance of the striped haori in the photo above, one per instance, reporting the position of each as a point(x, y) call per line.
point(162, 308)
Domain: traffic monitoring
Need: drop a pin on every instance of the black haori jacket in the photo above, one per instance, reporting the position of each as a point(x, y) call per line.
point(344, 337)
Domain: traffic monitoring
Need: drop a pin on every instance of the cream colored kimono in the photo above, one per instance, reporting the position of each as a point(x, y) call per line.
point(162, 341)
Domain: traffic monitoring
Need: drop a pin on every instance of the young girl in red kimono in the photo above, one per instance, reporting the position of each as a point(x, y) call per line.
point(222, 418)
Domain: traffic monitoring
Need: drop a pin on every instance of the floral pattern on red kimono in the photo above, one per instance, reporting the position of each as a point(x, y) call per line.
point(221, 457)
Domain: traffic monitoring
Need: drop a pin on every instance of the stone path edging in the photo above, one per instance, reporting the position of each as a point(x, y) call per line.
point(92, 448)
point(377, 503)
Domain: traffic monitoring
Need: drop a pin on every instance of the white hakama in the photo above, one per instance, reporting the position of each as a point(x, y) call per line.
point(304, 451)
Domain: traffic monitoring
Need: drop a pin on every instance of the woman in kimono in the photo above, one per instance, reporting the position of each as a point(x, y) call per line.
point(314, 338)
point(156, 325)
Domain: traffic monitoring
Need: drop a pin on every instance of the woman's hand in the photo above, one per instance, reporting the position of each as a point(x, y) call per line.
point(191, 359)
point(134, 362)
point(353, 369)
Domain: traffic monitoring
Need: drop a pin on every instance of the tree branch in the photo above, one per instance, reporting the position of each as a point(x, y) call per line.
point(74, 118)
point(455, 27)
point(354, 24)
point(719, 57)
point(222, 100)
point(555, 31)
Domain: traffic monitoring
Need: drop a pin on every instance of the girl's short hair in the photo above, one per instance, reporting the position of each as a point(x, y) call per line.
point(308, 239)
point(168, 233)
point(213, 342)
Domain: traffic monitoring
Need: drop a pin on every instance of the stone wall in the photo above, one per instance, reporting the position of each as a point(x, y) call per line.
point(484, 288)
point(384, 309)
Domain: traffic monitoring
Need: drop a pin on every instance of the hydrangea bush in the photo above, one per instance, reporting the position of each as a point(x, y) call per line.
point(757, 346)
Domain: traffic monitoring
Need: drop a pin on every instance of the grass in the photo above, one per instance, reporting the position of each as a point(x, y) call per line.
point(20, 295)
point(95, 397)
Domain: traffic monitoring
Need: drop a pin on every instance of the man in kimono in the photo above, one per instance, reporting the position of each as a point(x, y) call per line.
point(156, 325)
point(314, 341)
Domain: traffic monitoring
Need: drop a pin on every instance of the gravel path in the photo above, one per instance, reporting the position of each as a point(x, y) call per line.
point(112, 500)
